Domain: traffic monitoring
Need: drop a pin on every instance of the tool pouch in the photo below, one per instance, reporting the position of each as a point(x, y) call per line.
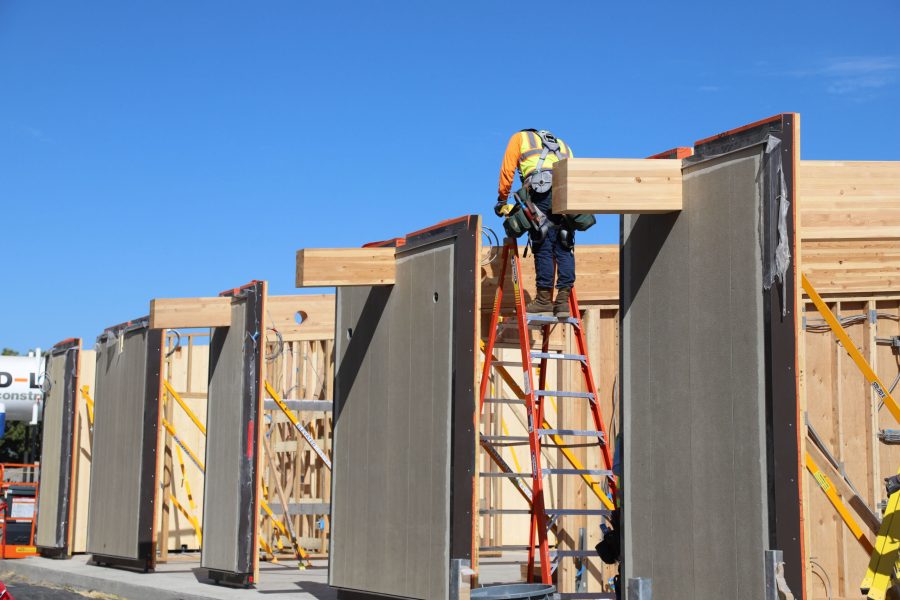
point(581, 222)
point(516, 223)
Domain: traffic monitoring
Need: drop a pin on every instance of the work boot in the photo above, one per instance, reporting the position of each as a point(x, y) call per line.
point(561, 306)
point(542, 304)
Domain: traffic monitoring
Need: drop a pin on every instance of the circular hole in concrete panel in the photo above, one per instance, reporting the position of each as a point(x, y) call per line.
point(300, 317)
point(435, 297)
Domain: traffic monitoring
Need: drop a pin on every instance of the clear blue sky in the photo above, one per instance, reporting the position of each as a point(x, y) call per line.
point(160, 149)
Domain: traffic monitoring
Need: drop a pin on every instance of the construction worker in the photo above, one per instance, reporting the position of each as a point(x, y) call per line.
point(533, 153)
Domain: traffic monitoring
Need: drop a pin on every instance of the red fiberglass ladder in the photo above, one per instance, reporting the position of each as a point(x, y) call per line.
point(539, 431)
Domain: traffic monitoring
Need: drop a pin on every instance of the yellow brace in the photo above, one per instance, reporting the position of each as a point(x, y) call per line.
point(828, 487)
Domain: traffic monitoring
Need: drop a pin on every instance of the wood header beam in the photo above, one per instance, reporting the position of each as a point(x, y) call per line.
point(175, 313)
point(335, 267)
point(848, 200)
point(617, 185)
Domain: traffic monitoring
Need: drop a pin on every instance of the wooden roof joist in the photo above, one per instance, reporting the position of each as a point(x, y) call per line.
point(336, 267)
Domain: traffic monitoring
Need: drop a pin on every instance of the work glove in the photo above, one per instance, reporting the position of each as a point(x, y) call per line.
point(501, 209)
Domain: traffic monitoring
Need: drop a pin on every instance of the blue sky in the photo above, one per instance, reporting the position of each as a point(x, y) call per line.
point(162, 149)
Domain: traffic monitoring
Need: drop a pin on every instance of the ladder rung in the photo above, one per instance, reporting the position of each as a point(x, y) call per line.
point(557, 356)
point(602, 472)
point(501, 548)
point(563, 394)
point(504, 401)
point(498, 474)
point(504, 511)
point(574, 553)
point(545, 320)
point(549, 511)
point(503, 439)
point(578, 511)
point(574, 432)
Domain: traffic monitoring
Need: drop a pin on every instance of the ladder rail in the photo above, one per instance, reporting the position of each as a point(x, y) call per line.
point(589, 377)
point(538, 514)
point(532, 393)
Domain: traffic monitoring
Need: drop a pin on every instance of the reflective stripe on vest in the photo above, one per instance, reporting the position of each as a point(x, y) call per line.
point(530, 148)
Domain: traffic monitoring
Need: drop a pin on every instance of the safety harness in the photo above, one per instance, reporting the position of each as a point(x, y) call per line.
point(541, 180)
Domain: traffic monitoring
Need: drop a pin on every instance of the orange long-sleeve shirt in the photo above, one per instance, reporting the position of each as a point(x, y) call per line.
point(513, 155)
point(509, 165)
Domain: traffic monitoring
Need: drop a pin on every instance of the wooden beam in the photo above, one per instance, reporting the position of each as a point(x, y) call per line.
point(844, 200)
point(315, 320)
point(175, 313)
point(335, 267)
point(616, 185)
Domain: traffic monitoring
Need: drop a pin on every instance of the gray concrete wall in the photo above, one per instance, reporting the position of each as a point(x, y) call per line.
point(392, 434)
point(693, 388)
point(120, 474)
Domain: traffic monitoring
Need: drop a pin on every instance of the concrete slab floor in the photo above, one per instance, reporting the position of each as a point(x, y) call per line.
point(179, 579)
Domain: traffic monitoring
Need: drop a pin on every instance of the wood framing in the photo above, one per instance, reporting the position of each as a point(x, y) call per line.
point(596, 268)
point(335, 267)
point(175, 313)
point(616, 185)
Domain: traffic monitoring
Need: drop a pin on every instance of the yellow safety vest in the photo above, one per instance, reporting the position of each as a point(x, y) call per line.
point(530, 148)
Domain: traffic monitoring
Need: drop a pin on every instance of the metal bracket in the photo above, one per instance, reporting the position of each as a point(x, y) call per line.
point(776, 586)
point(640, 588)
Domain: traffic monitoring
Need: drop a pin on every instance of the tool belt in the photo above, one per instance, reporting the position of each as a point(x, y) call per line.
point(516, 223)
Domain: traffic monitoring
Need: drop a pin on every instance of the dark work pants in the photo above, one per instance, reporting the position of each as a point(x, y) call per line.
point(550, 250)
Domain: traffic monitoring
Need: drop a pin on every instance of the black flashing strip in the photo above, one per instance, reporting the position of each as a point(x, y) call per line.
point(149, 459)
point(230, 578)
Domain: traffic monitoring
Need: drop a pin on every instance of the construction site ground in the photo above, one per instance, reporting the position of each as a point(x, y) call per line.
point(179, 579)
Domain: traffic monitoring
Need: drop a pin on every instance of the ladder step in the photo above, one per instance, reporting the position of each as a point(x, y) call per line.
point(577, 511)
point(545, 320)
point(504, 401)
point(603, 472)
point(501, 440)
point(573, 432)
point(504, 511)
point(563, 394)
point(557, 356)
point(502, 548)
point(550, 511)
point(574, 553)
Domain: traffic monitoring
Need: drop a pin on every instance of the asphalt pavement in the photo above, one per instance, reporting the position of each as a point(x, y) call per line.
point(22, 589)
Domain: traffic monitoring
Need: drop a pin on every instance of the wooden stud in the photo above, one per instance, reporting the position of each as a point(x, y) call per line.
point(176, 313)
point(335, 267)
point(617, 185)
